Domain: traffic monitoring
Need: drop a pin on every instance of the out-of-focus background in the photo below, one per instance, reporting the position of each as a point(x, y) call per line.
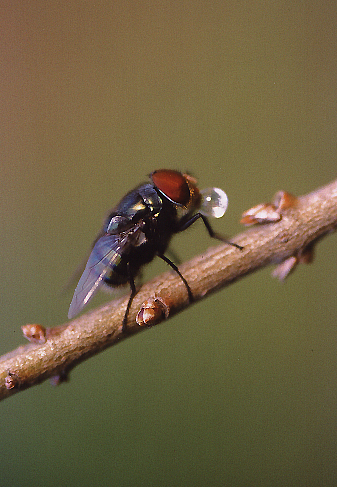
point(241, 389)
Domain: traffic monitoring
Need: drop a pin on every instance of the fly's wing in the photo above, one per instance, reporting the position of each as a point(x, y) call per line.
point(104, 255)
point(80, 268)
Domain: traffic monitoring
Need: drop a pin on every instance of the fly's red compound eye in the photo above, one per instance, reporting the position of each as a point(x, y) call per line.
point(173, 185)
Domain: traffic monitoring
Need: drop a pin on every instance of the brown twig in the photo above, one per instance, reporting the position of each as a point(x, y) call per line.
point(57, 350)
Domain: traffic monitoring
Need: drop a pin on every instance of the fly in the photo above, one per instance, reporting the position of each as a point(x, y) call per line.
point(140, 227)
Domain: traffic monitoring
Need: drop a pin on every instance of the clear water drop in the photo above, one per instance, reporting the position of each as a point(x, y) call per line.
point(214, 202)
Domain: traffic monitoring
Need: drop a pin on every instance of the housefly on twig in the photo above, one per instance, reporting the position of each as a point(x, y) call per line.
point(140, 227)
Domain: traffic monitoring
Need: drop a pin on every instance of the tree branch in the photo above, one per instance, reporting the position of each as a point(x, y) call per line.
point(311, 217)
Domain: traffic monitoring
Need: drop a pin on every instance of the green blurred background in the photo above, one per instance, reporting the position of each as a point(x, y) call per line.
point(241, 389)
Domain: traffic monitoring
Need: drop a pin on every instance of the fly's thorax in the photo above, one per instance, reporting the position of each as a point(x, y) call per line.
point(151, 199)
point(141, 203)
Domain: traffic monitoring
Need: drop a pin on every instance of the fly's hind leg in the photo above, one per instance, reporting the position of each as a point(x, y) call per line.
point(132, 295)
point(175, 268)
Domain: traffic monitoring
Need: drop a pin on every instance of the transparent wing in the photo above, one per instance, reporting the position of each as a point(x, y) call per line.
point(104, 255)
point(79, 269)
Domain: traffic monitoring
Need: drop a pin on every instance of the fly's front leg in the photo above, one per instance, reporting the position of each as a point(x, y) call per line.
point(210, 230)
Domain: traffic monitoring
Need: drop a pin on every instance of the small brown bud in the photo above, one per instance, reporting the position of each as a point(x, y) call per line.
point(153, 311)
point(56, 380)
point(11, 381)
point(285, 268)
point(283, 200)
point(263, 213)
point(34, 333)
point(269, 212)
